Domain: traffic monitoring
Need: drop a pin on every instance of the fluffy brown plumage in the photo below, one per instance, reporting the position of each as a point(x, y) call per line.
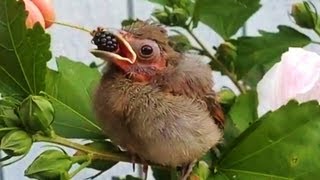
point(161, 108)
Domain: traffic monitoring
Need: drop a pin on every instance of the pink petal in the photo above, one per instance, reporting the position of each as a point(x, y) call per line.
point(296, 76)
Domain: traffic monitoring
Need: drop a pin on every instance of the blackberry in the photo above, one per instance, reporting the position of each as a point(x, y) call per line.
point(105, 41)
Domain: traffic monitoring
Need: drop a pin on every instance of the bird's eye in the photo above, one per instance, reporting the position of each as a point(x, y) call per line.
point(146, 51)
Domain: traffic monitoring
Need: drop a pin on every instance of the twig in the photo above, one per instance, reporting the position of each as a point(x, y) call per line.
point(95, 154)
point(315, 42)
point(220, 67)
point(72, 26)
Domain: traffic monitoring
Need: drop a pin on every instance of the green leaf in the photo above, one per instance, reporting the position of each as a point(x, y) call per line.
point(23, 52)
point(70, 91)
point(103, 147)
point(244, 111)
point(266, 49)
point(256, 74)
point(231, 132)
point(281, 145)
point(50, 164)
point(161, 173)
point(225, 16)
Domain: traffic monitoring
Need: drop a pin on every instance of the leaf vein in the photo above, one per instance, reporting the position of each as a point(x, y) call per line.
point(5, 71)
point(269, 145)
point(256, 173)
point(15, 48)
point(75, 112)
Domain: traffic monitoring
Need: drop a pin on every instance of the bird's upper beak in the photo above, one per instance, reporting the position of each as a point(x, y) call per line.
point(122, 56)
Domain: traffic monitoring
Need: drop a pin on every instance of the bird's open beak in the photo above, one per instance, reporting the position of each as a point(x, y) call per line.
point(123, 55)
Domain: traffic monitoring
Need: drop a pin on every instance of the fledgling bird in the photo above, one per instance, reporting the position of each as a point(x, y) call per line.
point(155, 102)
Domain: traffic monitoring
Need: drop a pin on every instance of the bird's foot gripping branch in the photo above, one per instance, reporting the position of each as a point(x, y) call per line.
point(156, 101)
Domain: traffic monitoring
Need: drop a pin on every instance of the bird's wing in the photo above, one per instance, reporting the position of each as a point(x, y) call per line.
point(215, 109)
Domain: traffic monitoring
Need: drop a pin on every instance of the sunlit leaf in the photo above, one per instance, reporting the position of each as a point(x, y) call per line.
point(225, 16)
point(70, 91)
point(281, 145)
point(266, 49)
point(244, 111)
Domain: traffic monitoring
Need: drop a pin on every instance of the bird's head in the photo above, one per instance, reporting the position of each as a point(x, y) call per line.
point(140, 51)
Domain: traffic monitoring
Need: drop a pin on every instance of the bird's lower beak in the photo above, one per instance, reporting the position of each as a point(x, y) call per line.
point(123, 54)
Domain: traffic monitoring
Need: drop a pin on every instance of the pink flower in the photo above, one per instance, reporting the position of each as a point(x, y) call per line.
point(39, 11)
point(296, 76)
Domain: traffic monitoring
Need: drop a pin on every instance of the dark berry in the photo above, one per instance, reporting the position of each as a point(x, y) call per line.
point(105, 41)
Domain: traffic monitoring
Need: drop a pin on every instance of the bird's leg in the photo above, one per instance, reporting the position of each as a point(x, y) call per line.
point(145, 168)
point(186, 170)
point(133, 161)
point(144, 165)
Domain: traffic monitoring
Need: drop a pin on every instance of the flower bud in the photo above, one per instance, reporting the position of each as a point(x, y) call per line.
point(9, 118)
point(162, 16)
point(4, 130)
point(226, 96)
point(51, 164)
point(36, 113)
point(16, 143)
point(34, 14)
point(227, 53)
point(39, 11)
point(179, 17)
point(200, 171)
point(302, 14)
point(47, 11)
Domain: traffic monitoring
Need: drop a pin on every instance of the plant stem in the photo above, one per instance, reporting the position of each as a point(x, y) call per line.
point(82, 166)
point(317, 30)
point(95, 153)
point(72, 26)
point(92, 153)
point(220, 67)
point(315, 42)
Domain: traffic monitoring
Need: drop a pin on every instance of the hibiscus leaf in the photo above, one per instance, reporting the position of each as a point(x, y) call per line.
point(265, 49)
point(70, 91)
point(244, 111)
point(281, 145)
point(23, 52)
point(225, 16)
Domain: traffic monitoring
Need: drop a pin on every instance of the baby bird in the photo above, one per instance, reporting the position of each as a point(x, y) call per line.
point(156, 103)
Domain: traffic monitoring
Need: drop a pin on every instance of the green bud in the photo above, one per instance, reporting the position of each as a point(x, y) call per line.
point(16, 143)
point(4, 130)
point(9, 118)
point(226, 96)
point(200, 171)
point(51, 164)
point(127, 22)
point(36, 113)
point(162, 17)
point(179, 17)
point(227, 54)
point(302, 14)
